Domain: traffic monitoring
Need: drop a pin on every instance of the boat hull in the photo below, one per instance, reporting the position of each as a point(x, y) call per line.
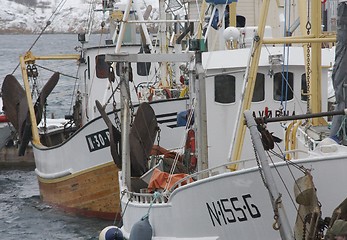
point(91, 193)
point(236, 205)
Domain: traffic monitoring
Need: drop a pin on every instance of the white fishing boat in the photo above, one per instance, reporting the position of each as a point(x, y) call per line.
point(297, 193)
point(75, 169)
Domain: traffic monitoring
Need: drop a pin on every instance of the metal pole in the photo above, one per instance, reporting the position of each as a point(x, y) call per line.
point(275, 196)
point(201, 116)
point(303, 116)
point(35, 133)
point(125, 126)
point(316, 65)
point(251, 81)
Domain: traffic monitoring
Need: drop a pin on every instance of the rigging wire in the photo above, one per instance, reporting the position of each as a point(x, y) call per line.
point(49, 21)
point(287, 83)
point(89, 23)
point(285, 185)
point(288, 164)
point(282, 180)
point(51, 70)
point(173, 167)
point(284, 96)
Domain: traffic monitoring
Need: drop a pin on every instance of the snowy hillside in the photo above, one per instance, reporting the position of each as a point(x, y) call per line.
point(32, 16)
point(27, 16)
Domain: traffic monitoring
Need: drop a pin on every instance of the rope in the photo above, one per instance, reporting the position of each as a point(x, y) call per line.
point(66, 75)
point(156, 196)
point(188, 124)
point(288, 164)
point(51, 70)
point(125, 208)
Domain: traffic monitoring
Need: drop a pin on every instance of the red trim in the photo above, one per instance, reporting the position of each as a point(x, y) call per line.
point(3, 118)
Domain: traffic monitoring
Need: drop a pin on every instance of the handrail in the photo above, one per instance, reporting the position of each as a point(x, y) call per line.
point(145, 197)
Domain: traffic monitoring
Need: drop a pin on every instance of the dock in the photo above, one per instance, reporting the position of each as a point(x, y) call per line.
point(9, 158)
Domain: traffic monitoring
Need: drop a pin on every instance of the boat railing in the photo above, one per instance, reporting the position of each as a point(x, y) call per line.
point(161, 196)
point(205, 173)
point(294, 152)
point(146, 197)
point(310, 142)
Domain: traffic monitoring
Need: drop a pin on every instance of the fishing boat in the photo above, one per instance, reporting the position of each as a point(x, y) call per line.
point(297, 193)
point(75, 169)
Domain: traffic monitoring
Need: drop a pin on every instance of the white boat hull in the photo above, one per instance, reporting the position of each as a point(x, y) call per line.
point(235, 205)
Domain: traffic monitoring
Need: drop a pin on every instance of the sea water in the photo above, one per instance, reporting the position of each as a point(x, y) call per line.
point(62, 98)
point(22, 213)
point(24, 216)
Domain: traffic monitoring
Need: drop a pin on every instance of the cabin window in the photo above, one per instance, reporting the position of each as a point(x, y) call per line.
point(224, 89)
point(303, 87)
point(118, 69)
point(102, 67)
point(143, 67)
point(259, 88)
point(285, 93)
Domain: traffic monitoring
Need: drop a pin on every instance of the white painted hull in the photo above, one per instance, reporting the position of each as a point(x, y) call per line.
point(216, 207)
point(85, 150)
point(75, 154)
point(236, 205)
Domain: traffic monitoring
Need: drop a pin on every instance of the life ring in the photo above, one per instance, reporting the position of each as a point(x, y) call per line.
point(3, 118)
point(190, 145)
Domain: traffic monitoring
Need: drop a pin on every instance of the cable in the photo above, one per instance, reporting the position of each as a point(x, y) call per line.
point(49, 21)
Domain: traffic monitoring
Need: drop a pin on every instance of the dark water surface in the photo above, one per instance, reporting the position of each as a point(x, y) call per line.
point(61, 99)
point(22, 214)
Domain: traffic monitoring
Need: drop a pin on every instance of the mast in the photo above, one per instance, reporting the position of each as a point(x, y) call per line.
point(125, 59)
point(125, 126)
point(163, 44)
point(200, 114)
point(251, 82)
point(316, 71)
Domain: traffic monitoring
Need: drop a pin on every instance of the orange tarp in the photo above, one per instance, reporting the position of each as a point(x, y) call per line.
point(159, 180)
